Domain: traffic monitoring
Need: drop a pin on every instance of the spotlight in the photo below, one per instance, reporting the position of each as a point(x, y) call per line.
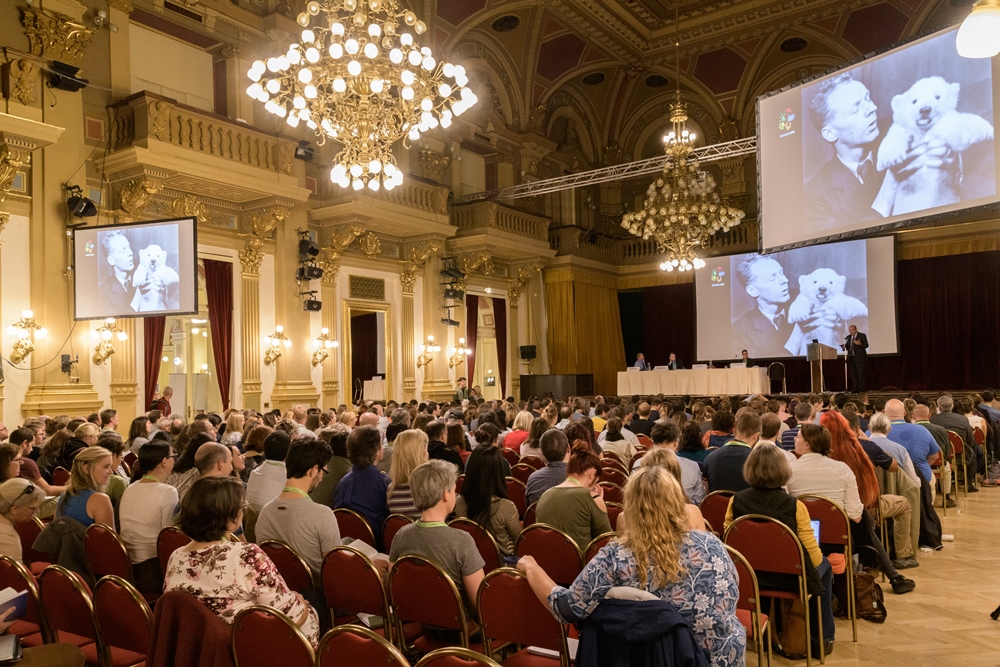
point(309, 272)
point(447, 321)
point(307, 248)
point(78, 205)
point(304, 151)
point(312, 306)
point(450, 293)
point(63, 77)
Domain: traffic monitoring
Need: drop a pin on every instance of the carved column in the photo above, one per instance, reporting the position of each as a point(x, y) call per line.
point(408, 280)
point(513, 356)
point(436, 383)
point(250, 258)
point(124, 385)
point(328, 295)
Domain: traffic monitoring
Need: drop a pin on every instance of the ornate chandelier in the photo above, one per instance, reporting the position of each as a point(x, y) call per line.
point(360, 76)
point(682, 209)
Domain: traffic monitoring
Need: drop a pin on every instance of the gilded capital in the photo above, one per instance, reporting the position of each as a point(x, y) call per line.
point(330, 269)
point(54, 36)
point(11, 160)
point(408, 279)
point(251, 256)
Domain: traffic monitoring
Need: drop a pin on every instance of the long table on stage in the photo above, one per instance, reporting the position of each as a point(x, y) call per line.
point(697, 382)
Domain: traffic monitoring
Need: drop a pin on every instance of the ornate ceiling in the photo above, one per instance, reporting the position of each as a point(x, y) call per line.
point(596, 75)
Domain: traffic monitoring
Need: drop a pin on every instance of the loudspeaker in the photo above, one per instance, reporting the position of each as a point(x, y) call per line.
point(311, 305)
point(454, 294)
point(528, 352)
point(309, 272)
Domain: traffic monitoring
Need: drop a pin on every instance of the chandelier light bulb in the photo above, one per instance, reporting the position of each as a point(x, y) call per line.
point(302, 19)
point(337, 172)
point(310, 91)
point(356, 170)
point(354, 68)
point(448, 70)
point(374, 166)
point(396, 56)
point(371, 50)
point(407, 93)
point(374, 31)
point(406, 39)
point(308, 36)
point(313, 7)
point(294, 56)
point(373, 185)
point(352, 46)
point(336, 51)
point(339, 85)
point(406, 76)
point(312, 54)
point(414, 57)
point(272, 64)
point(357, 184)
point(337, 29)
point(273, 85)
point(376, 85)
point(255, 90)
point(428, 63)
point(305, 75)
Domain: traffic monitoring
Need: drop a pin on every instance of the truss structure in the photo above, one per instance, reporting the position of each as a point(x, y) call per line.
point(618, 172)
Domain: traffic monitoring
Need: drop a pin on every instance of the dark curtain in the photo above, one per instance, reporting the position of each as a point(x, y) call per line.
point(631, 311)
point(219, 285)
point(364, 347)
point(471, 330)
point(500, 322)
point(152, 351)
point(948, 323)
point(667, 324)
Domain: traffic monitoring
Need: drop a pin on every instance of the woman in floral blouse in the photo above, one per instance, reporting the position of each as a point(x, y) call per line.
point(227, 575)
point(658, 553)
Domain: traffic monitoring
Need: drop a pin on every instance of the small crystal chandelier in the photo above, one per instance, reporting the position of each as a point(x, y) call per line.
point(682, 209)
point(359, 75)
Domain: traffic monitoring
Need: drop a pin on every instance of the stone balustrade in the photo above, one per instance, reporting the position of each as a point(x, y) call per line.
point(483, 215)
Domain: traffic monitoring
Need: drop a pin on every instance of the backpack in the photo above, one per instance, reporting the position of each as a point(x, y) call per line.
point(789, 635)
point(869, 599)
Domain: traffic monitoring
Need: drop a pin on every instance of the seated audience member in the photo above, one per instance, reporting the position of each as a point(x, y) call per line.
point(266, 481)
point(691, 445)
point(225, 574)
point(721, 432)
point(10, 462)
point(600, 416)
point(766, 471)
point(520, 432)
point(644, 424)
point(293, 518)
point(576, 506)
point(917, 442)
point(84, 498)
point(484, 498)
point(666, 436)
point(438, 445)
point(19, 501)
point(336, 436)
point(147, 507)
point(916, 439)
point(666, 458)
point(392, 431)
point(532, 446)
point(84, 436)
point(118, 481)
point(457, 440)
point(411, 450)
point(724, 466)
point(616, 443)
point(960, 425)
point(880, 426)
point(234, 430)
point(804, 414)
point(623, 413)
point(815, 473)
point(239, 463)
point(253, 449)
point(770, 429)
point(583, 432)
point(138, 433)
point(185, 471)
point(364, 488)
point(453, 550)
point(214, 460)
point(555, 450)
point(52, 452)
point(659, 554)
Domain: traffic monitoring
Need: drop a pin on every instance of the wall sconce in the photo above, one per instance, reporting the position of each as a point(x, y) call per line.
point(458, 354)
point(427, 351)
point(24, 329)
point(274, 343)
point(323, 343)
point(103, 335)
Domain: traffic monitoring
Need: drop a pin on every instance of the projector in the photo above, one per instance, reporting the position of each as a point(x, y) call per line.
point(312, 305)
point(454, 294)
point(309, 272)
point(447, 321)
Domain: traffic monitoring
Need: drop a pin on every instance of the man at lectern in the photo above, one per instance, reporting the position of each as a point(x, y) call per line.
point(856, 346)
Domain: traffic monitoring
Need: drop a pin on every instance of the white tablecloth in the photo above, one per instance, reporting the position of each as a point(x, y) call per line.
point(374, 389)
point(697, 382)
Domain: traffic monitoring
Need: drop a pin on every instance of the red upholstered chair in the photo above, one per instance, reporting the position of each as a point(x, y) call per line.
point(124, 621)
point(31, 627)
point(521, 472)
point(771, 546)
point(516, 492)
point(70, 611)
point(352, 524)
point(130, 460)
point(168, 541)
point(456, 657)
point(959, 468)
point(392, 525)
point(645, 441)
point(290, 565)
point(60, 476)
point(612, 493)
point(421, 592)
point(354, 645)
point(264, 637)
point(638, 457)
point(553, 550)
point(529, 514)
point(533, 461)
point(512, 457)
point(459, 481)
point(509, 611)
point(714, 508)
point(835, 530)
point(615, 476)
point(748, 606)
point(29, 532)
point(612, 461)
point(106, 555)
point(485, 542)
point(596, 545)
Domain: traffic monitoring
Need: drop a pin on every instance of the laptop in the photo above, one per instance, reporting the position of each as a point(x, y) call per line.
point(815, 526)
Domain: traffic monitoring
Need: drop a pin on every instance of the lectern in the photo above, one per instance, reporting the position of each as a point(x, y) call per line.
point(816, 352)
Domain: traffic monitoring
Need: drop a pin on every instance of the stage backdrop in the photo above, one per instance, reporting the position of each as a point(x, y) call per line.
point(949, 328)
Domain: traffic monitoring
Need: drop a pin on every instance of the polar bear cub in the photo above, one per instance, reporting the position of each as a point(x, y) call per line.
point(152, 280)
point(925, 112)
point(822, 292)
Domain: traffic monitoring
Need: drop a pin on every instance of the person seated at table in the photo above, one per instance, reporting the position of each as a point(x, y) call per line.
point(576, 506)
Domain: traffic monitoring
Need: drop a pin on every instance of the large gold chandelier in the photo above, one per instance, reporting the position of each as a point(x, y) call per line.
point(360, 76)
point(682, 209)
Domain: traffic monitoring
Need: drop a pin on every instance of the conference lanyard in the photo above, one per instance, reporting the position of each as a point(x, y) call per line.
point(431, 524)
point(739, 443)
point(150, 478)
point(292, 489)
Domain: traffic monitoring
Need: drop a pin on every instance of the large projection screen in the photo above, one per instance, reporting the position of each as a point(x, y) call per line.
point(774, 305)
point(136, 270)
point(898, 138)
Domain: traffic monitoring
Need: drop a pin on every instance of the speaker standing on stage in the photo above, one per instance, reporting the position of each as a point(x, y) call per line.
point(856, 346)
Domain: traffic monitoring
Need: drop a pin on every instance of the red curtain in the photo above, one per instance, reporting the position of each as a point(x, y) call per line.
point(500, 321)
point(152, 350)
point(471, 329)
point(219, 285)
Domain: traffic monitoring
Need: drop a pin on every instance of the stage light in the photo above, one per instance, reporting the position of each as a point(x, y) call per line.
point(78, 205)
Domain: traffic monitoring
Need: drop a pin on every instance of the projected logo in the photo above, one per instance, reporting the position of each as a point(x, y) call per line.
point(785, 119)
point(717, 276)
point(88, 248)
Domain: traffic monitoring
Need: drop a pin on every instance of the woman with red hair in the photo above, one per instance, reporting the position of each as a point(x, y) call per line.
point(844, 447)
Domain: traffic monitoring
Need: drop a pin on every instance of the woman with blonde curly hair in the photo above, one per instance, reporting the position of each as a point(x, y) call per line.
point(659, 554)
point(409, 451)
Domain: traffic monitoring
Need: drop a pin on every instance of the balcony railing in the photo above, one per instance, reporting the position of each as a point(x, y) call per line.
point(484, 215)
